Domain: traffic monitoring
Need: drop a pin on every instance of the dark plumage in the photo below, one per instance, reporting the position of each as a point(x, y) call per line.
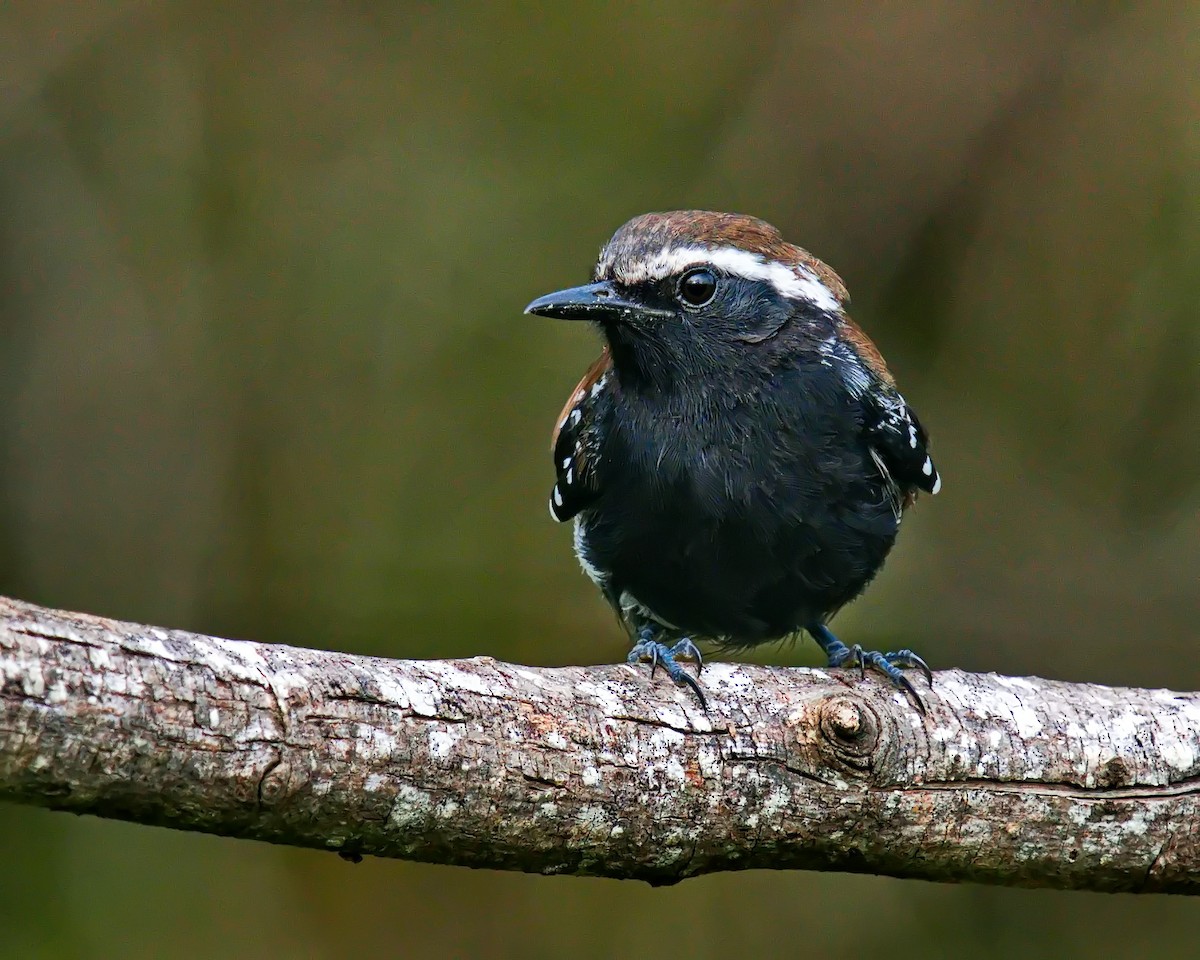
point(738, 460)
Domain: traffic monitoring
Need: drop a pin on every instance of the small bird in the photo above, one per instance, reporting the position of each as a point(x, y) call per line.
point(738, 460)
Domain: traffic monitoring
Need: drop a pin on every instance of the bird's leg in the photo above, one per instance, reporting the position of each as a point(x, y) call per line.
point(650, 648)
point(889, 664)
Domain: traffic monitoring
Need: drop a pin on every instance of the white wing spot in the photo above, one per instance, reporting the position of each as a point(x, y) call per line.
point(937, 484)
point(927, 467)
point(566, 462)
point(575, 417)
point(557, 496)
point(570, 476)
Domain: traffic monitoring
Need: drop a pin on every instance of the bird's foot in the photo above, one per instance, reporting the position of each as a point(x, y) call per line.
point(650, 649)
point(889, 664)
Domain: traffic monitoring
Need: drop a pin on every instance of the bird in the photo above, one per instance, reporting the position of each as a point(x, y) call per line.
point(738, 460)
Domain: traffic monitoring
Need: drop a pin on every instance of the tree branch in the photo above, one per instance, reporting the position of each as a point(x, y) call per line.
point(597, 770)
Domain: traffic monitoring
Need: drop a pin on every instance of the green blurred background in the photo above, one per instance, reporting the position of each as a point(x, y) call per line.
point(264, 373)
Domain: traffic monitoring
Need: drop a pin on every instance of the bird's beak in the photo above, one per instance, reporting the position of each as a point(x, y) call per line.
point(596, 301)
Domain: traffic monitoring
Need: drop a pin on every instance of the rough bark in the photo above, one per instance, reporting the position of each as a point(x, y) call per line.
point(597, 770)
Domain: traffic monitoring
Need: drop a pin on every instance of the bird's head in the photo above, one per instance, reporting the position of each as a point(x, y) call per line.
point(687, 291)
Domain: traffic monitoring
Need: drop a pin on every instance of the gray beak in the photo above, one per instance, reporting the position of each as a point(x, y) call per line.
point(595, 301)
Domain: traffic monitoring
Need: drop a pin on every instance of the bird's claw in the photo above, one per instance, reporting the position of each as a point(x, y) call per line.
point(657, 653)
point(889, 664)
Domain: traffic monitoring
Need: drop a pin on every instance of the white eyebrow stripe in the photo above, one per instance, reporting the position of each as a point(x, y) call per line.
point(796, 284)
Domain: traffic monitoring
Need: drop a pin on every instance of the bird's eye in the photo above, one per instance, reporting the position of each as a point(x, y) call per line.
point(697, 287)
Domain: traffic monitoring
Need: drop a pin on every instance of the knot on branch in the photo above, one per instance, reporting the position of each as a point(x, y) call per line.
point(1114, 773)
point(274, 784)
point(850, 731)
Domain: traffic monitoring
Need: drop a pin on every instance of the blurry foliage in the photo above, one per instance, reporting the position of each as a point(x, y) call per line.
point(263, 372)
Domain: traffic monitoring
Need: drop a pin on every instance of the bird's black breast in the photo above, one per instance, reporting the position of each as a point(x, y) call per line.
point(743, 514)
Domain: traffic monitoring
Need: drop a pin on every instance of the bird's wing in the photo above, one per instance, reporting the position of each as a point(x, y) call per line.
point(900, 444)
point(574, 443)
